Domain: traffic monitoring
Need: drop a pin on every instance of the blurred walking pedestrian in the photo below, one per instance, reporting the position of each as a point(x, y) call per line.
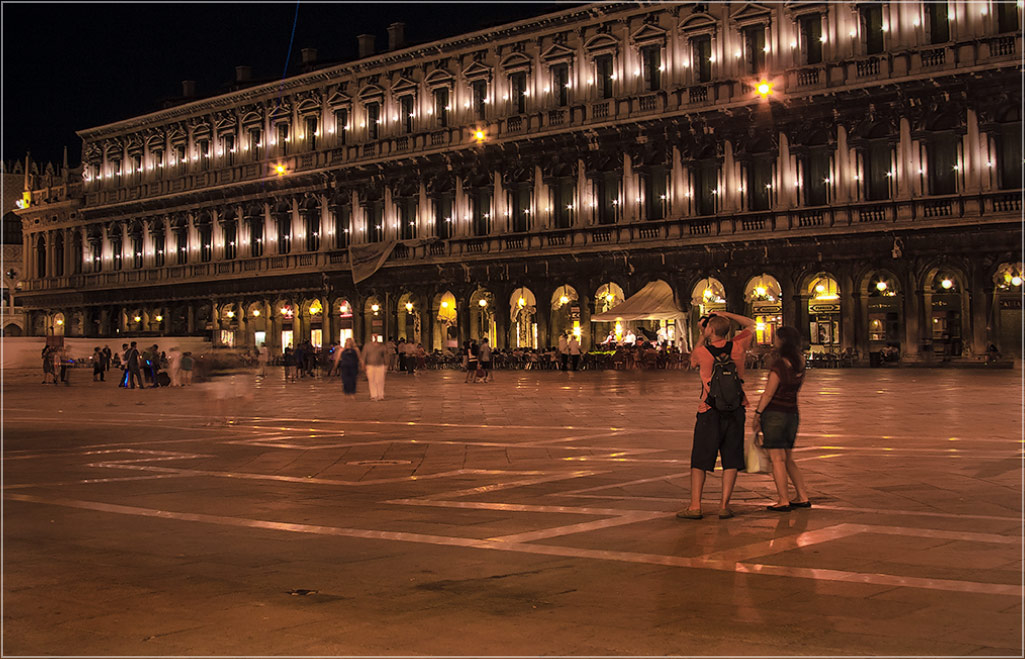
point(574, 351)
point(376, 357)
point(349, 364)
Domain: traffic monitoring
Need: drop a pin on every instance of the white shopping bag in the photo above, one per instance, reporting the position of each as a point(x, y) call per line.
point(755, 457)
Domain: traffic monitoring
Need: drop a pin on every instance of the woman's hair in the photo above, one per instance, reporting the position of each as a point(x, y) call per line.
point(790, 346)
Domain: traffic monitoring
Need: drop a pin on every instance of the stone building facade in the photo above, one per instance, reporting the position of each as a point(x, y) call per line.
point(850, 169)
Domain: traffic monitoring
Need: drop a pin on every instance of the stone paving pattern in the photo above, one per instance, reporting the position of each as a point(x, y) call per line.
point(533, 515)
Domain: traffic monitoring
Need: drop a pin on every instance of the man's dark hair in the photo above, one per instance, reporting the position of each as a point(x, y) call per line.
point(133, 344)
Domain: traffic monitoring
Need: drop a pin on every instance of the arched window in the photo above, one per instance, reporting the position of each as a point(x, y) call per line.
point(40, 257)
point(283, 220)
point(759, 176)
point(311, 226)
point(58, 254)
point(942, 156)
point(1008, 148)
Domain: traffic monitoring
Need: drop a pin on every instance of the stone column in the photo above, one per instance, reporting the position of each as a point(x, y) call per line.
point(242, 325)
point(980, 301)
point(190, 318)
point(904, 170)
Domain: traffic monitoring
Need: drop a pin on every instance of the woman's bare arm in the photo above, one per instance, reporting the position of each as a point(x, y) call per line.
point(770, 390)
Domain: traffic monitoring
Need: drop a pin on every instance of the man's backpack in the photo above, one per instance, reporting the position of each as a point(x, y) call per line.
point(725, 390)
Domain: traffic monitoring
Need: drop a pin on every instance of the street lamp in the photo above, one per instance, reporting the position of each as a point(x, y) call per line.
point(409, 306)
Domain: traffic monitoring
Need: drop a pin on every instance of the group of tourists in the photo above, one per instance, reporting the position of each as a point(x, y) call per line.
point(56, 360)
point(145, 368)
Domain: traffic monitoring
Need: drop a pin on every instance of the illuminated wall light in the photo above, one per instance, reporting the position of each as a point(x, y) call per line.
point(952, 15)
point(256, 313)
point(947, 284)
point(409, 306)
point(916, 22)
point(738, 54)
point(662, 68)
point(482, 302)
point(376, 307)
point(793, 44)
point(637, 73)
point(881, 286)
point(1016, 280)
point(884, 27)
point(613, 76)
point(548, 89)
point(853, 32)
point(765, 49)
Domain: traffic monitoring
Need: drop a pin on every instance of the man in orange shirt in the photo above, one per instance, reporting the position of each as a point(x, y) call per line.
point(718, 432)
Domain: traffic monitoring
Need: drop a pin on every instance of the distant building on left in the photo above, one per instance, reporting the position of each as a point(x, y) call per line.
point(23, 182)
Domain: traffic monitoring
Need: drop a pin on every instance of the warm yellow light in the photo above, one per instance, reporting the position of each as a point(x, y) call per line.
point(577, 332)
point(563, 299)
point(483, 302)
point(947, 283)
point(316, 308)
point(138, 319)
point(764, 88)
point(256, 313)
point(409, 306)
point(760, 291)
point(160, 319)
point(230, 314)
point(60, 321)
point(521, 302)
point(707, 294)
point(881, 286)
point(479, 135)
point(444, 304)
point(1016, 280)
point(280, 170)
point(609, 297)
point(285, 311)
point(375, 307)
point(820, 288)
point(343, 309)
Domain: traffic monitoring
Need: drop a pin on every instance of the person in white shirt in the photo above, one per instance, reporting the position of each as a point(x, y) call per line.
point(574, 351)
point(563, 351)
point(630, 338)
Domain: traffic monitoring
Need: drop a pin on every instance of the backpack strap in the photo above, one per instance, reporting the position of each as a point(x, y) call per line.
point(715, 352)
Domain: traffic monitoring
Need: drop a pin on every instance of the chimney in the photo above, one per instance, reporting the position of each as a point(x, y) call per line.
point(188, 88)
point(243, 73)
point(366, 45)
point(309, 55)
point(396, 36)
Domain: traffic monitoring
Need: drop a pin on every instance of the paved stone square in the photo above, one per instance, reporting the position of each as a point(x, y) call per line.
point(533, 515)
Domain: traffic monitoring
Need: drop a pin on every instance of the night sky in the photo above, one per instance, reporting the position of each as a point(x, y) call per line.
point(74, 66)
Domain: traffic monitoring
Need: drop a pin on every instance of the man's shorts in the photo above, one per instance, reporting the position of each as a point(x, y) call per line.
point(718, 433)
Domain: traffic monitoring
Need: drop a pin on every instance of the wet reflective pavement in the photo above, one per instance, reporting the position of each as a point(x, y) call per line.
point(533, 515)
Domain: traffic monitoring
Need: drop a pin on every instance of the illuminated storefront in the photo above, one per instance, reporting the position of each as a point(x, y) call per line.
point(765, 305)
point(884, 311)
point(824, 314)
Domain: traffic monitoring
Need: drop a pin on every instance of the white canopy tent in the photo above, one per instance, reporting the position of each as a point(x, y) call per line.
point(656, 301)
